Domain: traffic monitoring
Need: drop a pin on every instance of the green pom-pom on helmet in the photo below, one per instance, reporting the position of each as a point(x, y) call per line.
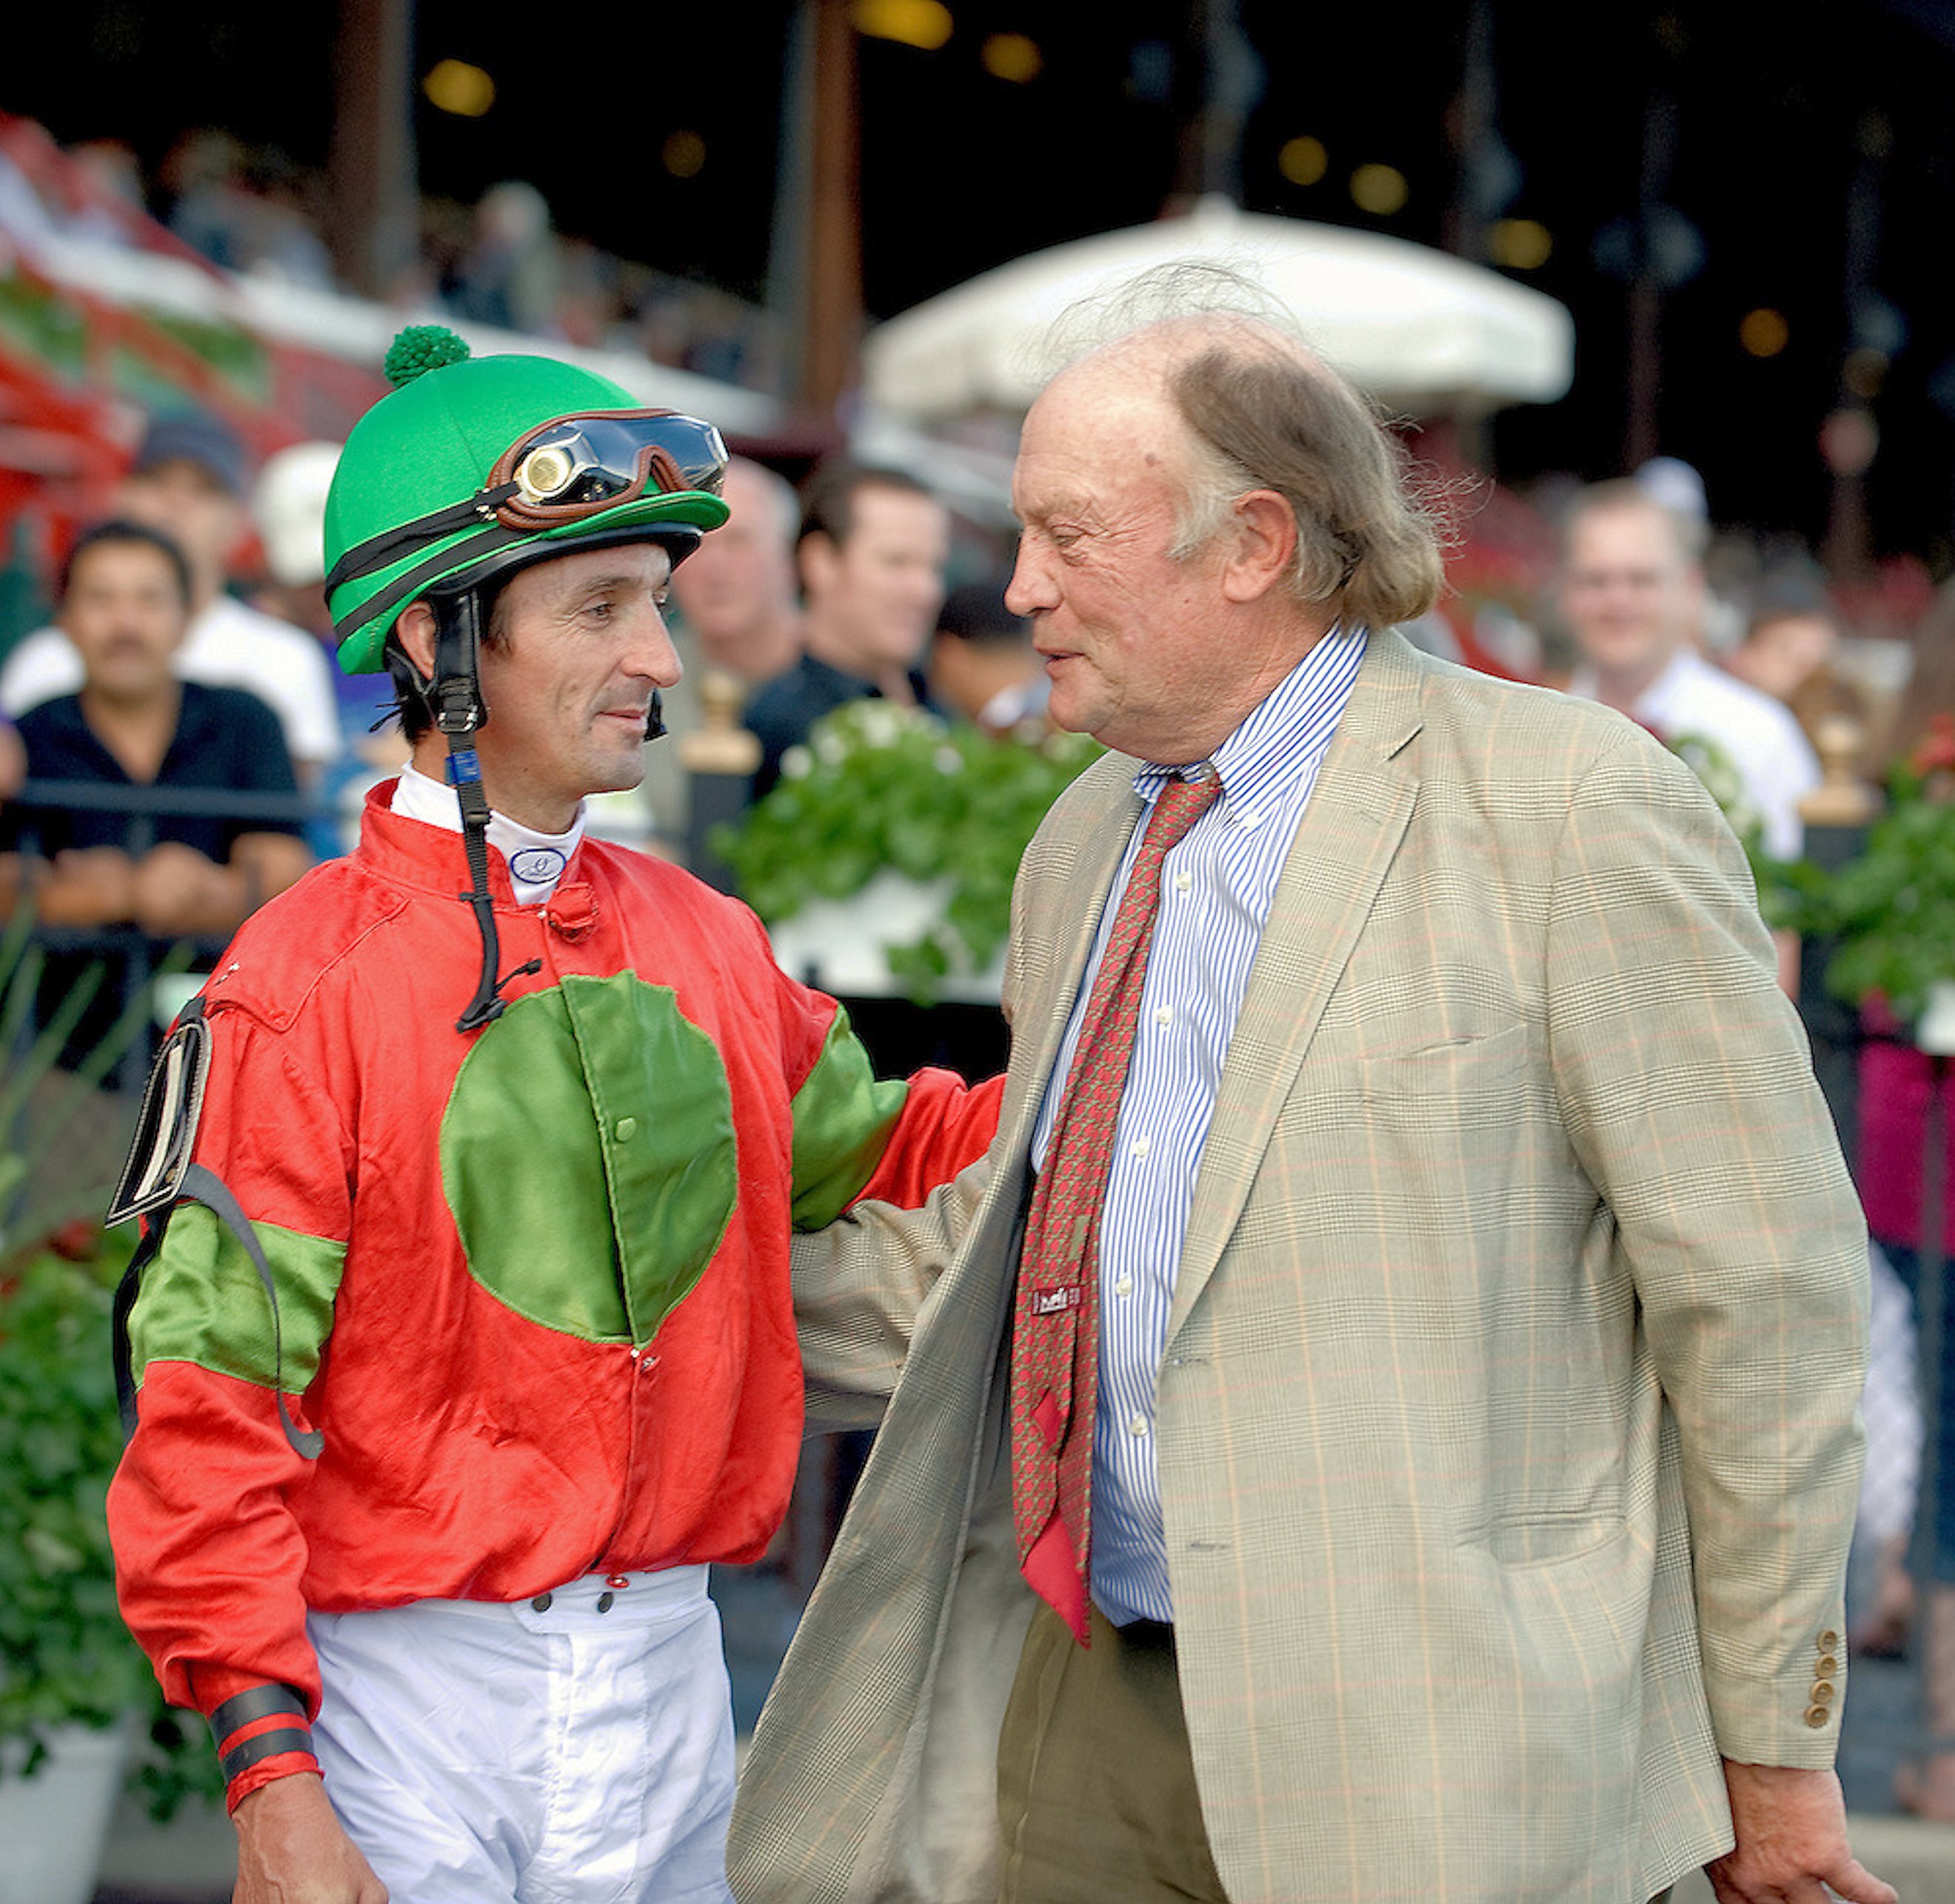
point(473, 467)
point(420, 347)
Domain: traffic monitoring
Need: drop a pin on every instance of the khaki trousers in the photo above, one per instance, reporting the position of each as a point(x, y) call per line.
point(1096, 1782)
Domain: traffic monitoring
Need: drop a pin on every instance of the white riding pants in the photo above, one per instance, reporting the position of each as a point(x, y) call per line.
point(574, 1749)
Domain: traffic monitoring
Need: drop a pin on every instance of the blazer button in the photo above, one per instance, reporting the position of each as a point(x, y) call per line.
point(1827, 1663)
point(1828, 1641)
point(1822, 1691)
point(1816, 1716)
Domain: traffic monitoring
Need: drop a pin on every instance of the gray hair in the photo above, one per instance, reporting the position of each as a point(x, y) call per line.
point(1263, 411)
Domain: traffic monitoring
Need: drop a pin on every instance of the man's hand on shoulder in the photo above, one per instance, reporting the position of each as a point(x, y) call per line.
point(1791, 1826)
point(291, 1849)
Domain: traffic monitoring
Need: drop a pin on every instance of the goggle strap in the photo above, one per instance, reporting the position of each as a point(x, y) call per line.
point(465, 775)
point(404, 588)
point(383, 550)
point(456, 694)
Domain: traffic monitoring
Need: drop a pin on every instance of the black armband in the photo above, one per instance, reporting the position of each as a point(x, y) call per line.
point(259, 1724)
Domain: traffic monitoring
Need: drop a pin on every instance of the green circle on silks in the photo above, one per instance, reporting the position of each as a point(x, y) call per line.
point(588, 1157)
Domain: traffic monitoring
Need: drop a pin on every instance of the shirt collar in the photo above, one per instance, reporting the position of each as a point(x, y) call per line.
point(1286, 732)
point(536, 861)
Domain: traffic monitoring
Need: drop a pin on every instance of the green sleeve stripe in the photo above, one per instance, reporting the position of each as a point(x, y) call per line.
point(842, 1119)
point(202, 1301)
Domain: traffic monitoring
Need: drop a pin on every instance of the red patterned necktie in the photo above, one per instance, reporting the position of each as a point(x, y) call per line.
point(1056, 1339)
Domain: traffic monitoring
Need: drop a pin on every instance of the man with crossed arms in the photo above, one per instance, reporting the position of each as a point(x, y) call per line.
point(1428, 1474)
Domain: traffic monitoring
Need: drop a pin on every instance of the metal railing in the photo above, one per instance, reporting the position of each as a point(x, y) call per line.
point(129, 956)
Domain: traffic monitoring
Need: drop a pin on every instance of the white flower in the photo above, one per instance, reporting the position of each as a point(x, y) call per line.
point(881, 723)
point(949, 760)
point(796, 763)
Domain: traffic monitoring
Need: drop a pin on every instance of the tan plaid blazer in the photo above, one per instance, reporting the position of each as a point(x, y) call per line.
point(1508, 1431)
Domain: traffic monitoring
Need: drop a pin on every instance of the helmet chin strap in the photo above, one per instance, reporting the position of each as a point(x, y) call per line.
point(458, 713)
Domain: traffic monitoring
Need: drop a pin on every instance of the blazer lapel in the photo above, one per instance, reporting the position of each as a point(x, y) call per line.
point(1078, 898)
point(1351, 830)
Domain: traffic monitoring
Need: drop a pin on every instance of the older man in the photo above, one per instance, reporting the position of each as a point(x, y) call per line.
point(1392, 1403)
point(469, 1342)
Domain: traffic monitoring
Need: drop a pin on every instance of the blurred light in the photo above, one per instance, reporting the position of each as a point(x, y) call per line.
point(1520, 244)
point(1865, 372)
point(683, 154)
point(1380, 190)
point(455, 86)
point(1303, 161)
point(1763, 333)
point(1848, 442)
point(925, 23)
point(1013, 57)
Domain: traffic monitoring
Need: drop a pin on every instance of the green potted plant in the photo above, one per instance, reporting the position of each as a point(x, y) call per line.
point(75, 1692)
point(885, 798)
point(1890, 911)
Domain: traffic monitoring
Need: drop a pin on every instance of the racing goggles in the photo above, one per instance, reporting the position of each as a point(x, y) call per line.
point(560, 472)
point(575, 466)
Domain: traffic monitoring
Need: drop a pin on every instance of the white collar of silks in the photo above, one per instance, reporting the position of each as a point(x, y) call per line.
point(536, 860)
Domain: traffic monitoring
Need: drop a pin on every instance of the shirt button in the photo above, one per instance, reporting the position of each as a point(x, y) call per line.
point(1184, 881)
point(541, 1604)
point(1124, 1287)
point(625, 1129)
point(604, 1603)
point(1250, 821)
point(1137, 1425)
point(1164, 1014)
point(1142, 1144)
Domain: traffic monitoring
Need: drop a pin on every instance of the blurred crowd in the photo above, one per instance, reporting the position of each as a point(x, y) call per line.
point(864, 582)
point(500, 261)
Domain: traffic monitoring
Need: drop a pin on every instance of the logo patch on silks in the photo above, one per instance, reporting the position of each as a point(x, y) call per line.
point(537, 865)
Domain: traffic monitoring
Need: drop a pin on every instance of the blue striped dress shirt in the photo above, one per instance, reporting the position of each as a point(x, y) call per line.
point(1216, 889)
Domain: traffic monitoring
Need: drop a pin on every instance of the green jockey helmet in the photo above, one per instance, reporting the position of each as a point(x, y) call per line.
point(472, 468)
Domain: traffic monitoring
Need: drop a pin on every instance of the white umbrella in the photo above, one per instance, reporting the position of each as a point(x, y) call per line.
point(1419, 329)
